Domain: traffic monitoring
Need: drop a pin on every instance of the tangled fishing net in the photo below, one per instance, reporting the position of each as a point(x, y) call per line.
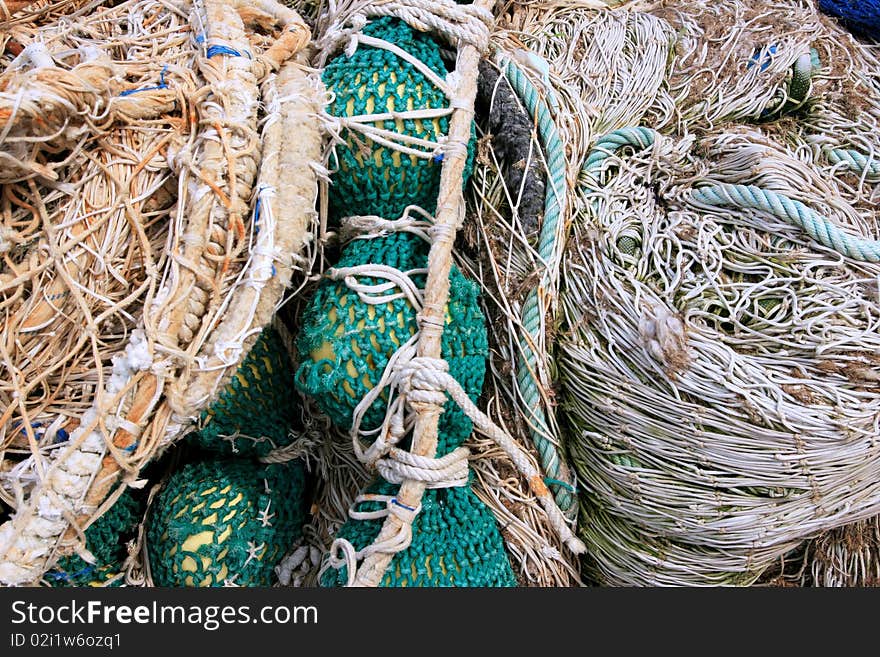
point(139, 267)
point(717, 349)
point(456, 278)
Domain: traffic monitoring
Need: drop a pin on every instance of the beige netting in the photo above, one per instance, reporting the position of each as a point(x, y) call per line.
point(134, 276)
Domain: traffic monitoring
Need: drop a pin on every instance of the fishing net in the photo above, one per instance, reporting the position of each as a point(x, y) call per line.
point(152, 222)
point(531, 536)
point(558, 264)
point(378, 83)
point(350, 333)
point(719, 301)
point(106, 541)
point(253, 414)
point(224, 522)
point(862, 16)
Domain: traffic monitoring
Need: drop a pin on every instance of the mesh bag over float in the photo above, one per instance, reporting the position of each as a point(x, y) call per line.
point(222, 522)
point(346, 345)
point(253, 414)
point(377, 179)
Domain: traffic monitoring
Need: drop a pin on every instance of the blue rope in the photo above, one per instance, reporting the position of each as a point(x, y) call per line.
point(765, 61)
point(554, 152)
point(791, 211)
point(222, 50)
point(161, 84)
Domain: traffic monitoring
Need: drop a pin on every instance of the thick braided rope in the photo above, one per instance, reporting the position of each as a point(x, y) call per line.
point(790, 210)
point(446, 471)
point(550, 244)
point(459, 24)
point(855, 161)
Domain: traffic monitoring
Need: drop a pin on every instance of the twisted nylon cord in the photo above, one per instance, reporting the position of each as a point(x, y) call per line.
point(549, 248)
point(790, 210)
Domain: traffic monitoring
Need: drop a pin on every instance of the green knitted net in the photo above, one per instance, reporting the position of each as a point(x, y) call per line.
point(378, 180)
point(455, 542)
point(254, 412)
point(345, 345)
point(225, 521)
point(105, 539)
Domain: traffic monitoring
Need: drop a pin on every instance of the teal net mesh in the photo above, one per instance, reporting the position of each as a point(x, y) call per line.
point(345, 343)
point(225, 521)
point(455, 542)
point(344, 346)
point(106, 540)
point(254, 412)
point(373, 179)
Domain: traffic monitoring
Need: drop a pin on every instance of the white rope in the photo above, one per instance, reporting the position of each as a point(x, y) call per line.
point(371, 226)
point(450, 471)
point(425, 380)
point(392, 545)
point(375, 294)
point(457, 24)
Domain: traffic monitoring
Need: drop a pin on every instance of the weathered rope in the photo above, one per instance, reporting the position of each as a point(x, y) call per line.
point(790, 210)
point(456, 23)
point(854, 161)
point(535, 308)
point(120, 425)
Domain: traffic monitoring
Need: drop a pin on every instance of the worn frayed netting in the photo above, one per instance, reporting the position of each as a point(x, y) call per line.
point(253, 414)
point(149, 233)
point(718, 349)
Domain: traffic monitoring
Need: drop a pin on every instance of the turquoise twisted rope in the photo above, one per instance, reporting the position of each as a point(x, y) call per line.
point(854, 161)
point(792, 211)
point(554, 152)
point(607, 145)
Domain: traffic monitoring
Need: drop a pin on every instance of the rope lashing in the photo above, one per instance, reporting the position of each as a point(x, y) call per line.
point(215, 50)
point(446, 471)
point(458, 24)
point(550, 246)
point(791, 211)
point(427, 380)
point(397, 543)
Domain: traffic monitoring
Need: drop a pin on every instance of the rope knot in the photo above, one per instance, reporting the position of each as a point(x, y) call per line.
point(424, 380)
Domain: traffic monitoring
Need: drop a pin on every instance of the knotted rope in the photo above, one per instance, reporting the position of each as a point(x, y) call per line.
point(421, 381)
